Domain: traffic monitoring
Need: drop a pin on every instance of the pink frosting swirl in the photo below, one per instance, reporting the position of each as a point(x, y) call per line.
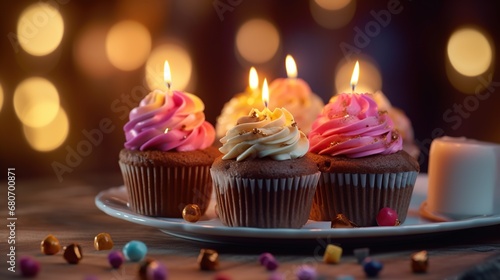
point(168, 122)
point(351, 125)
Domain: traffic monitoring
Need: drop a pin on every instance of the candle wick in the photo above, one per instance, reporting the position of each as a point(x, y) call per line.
point(353, 87)
point(265, 103)
point(169, 85)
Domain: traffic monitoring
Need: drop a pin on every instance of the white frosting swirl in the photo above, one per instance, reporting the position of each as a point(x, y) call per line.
point(265, 134)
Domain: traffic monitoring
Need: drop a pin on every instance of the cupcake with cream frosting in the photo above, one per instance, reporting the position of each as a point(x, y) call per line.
point(265, 177)
point(168, 153)
point(363, 166)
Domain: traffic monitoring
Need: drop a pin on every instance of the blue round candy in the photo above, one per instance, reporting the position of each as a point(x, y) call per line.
point(135, 250)
point(372, 267)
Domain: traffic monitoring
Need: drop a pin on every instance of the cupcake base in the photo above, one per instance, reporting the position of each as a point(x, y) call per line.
point(361, 196)
point(161, 184)
point(264, 203)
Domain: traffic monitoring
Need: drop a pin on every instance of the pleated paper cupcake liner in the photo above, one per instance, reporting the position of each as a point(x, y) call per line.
point(164, 191)
point(361, 196)
point(264, 203)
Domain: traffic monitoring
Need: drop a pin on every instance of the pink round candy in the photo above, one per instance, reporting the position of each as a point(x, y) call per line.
point(387, 217)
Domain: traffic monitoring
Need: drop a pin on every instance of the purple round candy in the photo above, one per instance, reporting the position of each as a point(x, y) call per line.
point(271, 264)
point(29, 266)
point(306, 272)
point(116, 259)
point(372, 267)
point(264, 257)
point(156, 271)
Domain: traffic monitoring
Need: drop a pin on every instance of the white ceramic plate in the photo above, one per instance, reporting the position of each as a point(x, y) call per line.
point(114, 203)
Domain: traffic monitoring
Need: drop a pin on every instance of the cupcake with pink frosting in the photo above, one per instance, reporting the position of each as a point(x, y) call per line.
point(363, 166)
point(168, 153)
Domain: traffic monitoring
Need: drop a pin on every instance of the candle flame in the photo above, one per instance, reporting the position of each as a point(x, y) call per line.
point(253, 79)
point(167, 76)
point(355, 76)
point(291, 67)
point(265, 93)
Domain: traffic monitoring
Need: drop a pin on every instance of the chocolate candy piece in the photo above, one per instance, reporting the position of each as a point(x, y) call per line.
point(103, 241)
point(372, 267)
point(361, 254)
point(419, 262)
point(135, 250)
point(332, 254)
point(306, 272)
point(208, 259)
point(50, 245)
point(387, 217)
point(341, 221)
point(29, 266)
point(116, 259)
point(73, 253)
point(191, 213)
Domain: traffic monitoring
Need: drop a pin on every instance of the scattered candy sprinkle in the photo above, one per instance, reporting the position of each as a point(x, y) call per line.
point(29, 266)
point(156, 271)
point(103, 241)
point(306, 272)
point(116, 259)
point(50, 245)
point(135, 250)
point(208, 259)
point(387, 217)
point(332, 254)
point(419, 262)
point(361, 254)
point(341, 221)
point(372, 267)
point(191, 213)
point(73, 253)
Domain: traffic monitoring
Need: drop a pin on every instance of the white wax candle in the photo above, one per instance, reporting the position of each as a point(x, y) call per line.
point(463, 178)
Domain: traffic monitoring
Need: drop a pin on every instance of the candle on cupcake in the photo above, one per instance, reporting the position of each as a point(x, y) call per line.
point(239, 105)
point(296, 96)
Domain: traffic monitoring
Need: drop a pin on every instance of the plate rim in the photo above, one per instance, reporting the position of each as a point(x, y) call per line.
point(181, 228)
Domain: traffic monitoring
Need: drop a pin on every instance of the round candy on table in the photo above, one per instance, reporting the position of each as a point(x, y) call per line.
point(191, 213)
point(103, 241)
point(116, 259)
point(264, 257)
point(135, 250)
point(50, 245)
point(387, 217)
point(73, 253)
point(208, 259)
point(372, 267)
point(29, 266)
point(151, 269)
point(306, 272)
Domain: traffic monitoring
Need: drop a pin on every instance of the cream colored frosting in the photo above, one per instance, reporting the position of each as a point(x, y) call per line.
point(266, 133)
point(237, 107)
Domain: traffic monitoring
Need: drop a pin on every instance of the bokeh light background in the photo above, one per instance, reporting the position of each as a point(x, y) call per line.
point(71, 70)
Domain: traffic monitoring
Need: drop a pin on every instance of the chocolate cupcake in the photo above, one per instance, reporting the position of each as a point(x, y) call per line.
point(363, 167)
point(167, 156)
point(265, 179)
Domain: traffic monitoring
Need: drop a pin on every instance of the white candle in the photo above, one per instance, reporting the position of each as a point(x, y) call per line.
point(464, 178)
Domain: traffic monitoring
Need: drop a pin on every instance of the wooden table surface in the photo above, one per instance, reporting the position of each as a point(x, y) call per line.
point(67, 210)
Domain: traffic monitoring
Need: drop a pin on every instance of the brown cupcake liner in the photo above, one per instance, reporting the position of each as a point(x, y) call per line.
point(162, 191)
point(361, 196)
point(264, 203)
